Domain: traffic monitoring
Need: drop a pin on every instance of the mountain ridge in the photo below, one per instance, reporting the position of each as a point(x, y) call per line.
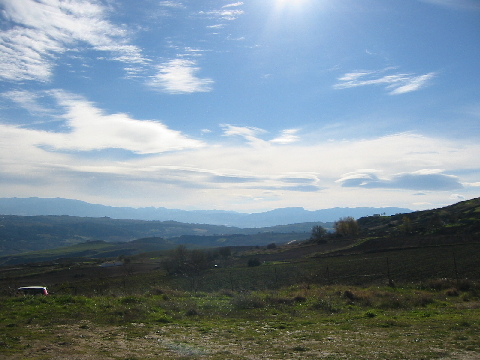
point(34, 206)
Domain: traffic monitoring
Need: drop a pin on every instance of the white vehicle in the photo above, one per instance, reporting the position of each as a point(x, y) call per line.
point(32, 290)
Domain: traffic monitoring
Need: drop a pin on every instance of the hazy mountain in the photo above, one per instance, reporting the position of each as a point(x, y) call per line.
point(58, 206)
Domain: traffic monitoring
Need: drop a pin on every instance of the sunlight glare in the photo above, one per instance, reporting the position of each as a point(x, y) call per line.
point(289, 3)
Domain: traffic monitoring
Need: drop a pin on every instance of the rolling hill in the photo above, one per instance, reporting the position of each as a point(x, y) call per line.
point(57, 206)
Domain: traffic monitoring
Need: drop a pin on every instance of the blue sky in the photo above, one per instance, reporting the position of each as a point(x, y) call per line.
point(241, 105)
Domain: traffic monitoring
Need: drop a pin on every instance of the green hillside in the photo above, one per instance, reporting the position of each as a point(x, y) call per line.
point(20, 234)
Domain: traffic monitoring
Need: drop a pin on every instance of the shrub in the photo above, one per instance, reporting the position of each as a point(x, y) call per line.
point(440, 284)
point(227, 293)
point(451, 292)
point(318, 234)
point(422, 299)
point(254, 262)
point(247, 301)
point(191, 312)
point(299, 298)
point(326, 306)
point(129, 300)
point(279, 300)
point(349, 295)
point(299, 348)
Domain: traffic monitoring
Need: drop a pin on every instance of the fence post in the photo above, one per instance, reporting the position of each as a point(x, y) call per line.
point(231, 280)
point(390, 281)
point(276, 276)
point(455, 268)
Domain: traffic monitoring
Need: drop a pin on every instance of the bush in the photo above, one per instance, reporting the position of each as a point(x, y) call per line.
point(191, 312)
point(254, 262)
point(440, 284)
point(247, 301)
point(326, 306)
point(318, 234)
point(453, 292)
point(279, 300)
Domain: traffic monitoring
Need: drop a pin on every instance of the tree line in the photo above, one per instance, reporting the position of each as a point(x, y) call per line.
point(344, 227)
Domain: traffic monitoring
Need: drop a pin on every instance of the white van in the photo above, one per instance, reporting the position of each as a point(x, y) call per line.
point(32, 290)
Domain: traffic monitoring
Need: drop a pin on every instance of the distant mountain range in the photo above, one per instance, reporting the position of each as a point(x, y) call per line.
point(58, 206)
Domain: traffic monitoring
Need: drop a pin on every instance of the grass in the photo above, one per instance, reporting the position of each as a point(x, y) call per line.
point(326, 307)
point(296, 322)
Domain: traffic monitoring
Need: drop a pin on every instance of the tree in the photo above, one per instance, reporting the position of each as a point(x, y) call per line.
point(254, 262)
point(318, 234)
point(225, 252)
point(406, 226)
point(197, 261)
point(346, 226)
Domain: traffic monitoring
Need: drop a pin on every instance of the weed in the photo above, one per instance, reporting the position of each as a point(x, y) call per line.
point(163, 320)
point(299, 348)
point(247, 301)
point(452, 292)
point(326, 306)
point(192, 312)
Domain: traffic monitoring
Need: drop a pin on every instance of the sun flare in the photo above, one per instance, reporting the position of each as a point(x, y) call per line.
point(295, 3)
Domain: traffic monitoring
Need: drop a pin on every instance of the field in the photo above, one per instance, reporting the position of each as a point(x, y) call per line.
point(322, 306)
point(392, 292)
point(437, 321)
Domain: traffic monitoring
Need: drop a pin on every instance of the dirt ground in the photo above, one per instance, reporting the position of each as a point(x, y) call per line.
point(87, 341)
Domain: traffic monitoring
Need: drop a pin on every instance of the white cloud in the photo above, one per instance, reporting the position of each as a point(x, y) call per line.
point(252, 135)
point(287, 137)
point(217, 26)
point(40, 30)
point(399, 83)
point(248, 133)
point(88, 128)
point(424, 179)
point(27, 100)
point(456, 4)
point(178, 77)
point(413, 84)
point(172, 4)
point(223, 174)
point(240, 3)
point(225, 14)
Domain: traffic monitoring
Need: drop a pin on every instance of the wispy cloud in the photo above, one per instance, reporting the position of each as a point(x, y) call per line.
point(252, 135)
point(248, 133)
point(216, 26)
point(399, 83)
point(456, 4)
point(287, 137)
point(29, 101)
point(177, 76)
point(433, 180)
point(239, 3)
point(40, 30)
point(224, 14)
point(172, 4)
point(179, 169)
point(457, 197)
point(88, 128)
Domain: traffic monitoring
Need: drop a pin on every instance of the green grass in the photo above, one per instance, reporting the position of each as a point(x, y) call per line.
point(295, 322)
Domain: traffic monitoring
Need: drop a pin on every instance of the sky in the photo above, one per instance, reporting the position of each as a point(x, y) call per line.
point(245, 105)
